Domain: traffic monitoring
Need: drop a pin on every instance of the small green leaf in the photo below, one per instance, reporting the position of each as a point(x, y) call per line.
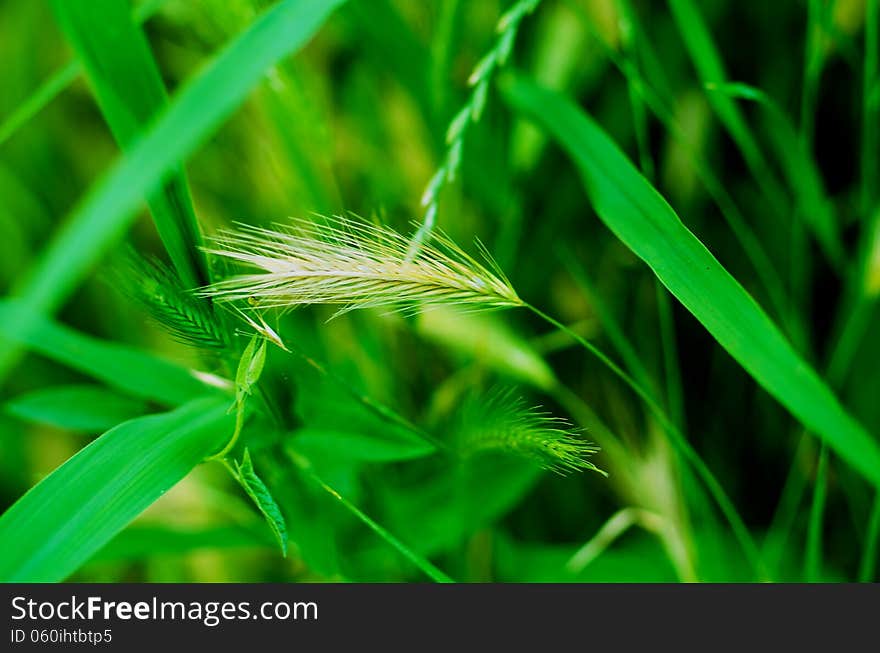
point(262, 498)
point(250, 367)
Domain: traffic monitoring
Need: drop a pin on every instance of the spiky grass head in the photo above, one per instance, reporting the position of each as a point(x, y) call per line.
point(353, 264)
point(504, 422)
point(187, 317)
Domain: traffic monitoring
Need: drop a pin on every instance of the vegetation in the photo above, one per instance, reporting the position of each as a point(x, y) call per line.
point(573, 290)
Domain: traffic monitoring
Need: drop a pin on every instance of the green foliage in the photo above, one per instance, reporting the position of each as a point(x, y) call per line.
point(640, 217)
point(131, 94)
point(87, 408)
point(75, 510)
point(258, 492)
point(136, 372)
point(366, 438)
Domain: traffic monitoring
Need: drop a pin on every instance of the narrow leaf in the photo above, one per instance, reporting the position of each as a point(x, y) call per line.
point(87, 408)
point(80, 506)
point(130, 92)
point(643, 220)
point(137, 373)
point(194, 113)
point(262, 498)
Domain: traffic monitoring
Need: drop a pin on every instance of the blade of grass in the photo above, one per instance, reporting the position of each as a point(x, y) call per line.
point(89, 408)
point(421, 563)
point(786, 510)
point(870, 155)
point(868, 566)
point(130, 92)
point(813, 562)
point(710, 69)
point(44, 94)
point(615, 333)
point(674, 394)
point(62, 521)
point(814, 60)
point(194, 113)
point(58, 82)
point(642, 219)
point(679, 441)
point(799, 167)
point(658, 102)
point(137, 373)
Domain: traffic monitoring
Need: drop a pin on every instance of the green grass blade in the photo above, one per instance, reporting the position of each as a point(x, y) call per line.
point(871, 108)
point(136, 372)
point(79, 507)
point(645, 222)
point(868, 566)
point(649, 86)
point(130, 92)
point(814, 60)
point(799, 168)
point(193, 114)
point(357, 446)
point(813, 561)
point(57, 82)
point(616, 336)
point(88, 408)
point(710, 69)
point(421, 563)
point(44, 94)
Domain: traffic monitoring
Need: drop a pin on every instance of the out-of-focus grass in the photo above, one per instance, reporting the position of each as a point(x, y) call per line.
point(280, 109)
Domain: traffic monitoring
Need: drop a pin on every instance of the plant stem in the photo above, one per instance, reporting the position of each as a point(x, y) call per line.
point(724, 503)
point(868, 567)
point(376, 407)
point(424, 565)
point(813, 562)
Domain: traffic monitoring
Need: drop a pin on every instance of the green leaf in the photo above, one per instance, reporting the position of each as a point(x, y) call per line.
point(130, 92)
point(420, 562)
point(643, 220)
point(137, 373)
point(250, 366)
point(57, 82)
point(87, 408)
point(798, 166)
point(710, 69)
point(62, 521)
point(196, 111)
point(262, 498)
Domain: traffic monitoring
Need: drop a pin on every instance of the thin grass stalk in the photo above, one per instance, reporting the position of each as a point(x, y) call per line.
point(726, 506)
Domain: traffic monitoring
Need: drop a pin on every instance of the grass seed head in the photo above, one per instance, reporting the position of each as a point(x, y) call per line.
point(353, 264)
point(504, 422)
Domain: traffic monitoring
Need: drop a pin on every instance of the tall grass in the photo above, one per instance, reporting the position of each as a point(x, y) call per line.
point(684, 296)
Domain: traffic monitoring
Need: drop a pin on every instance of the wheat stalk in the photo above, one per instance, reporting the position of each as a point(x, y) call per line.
point(353, 264)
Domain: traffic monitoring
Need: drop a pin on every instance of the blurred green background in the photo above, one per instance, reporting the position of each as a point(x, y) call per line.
point(355, 122)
